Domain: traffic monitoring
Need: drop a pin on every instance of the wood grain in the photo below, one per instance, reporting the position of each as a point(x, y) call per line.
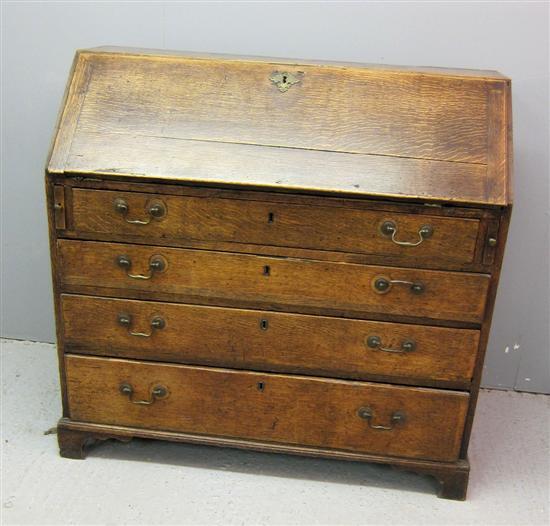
point(264, 281)
point(266, 167)
point(363, 111)
point(278, 224)
point(271, 243)
point(267, 341)
point(384, 132)
point(286, 409)
point(461, 73)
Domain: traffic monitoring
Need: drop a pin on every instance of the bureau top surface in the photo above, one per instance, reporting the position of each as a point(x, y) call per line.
point(429, 134)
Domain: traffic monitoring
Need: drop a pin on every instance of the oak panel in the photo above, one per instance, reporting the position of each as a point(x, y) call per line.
point(333, 109)
point(264, 281)
point(275, 408)
point(269, 341)
point(343, 128)
point(277, 224)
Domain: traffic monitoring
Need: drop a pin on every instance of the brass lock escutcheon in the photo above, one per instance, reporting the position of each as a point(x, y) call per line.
point(389, 229)
point(375, 342)
point(158, 392)
point(155, 210)
point(285, 80)
point(382, 285)
point(157, 323)
point(367, 413)
point(156, 264)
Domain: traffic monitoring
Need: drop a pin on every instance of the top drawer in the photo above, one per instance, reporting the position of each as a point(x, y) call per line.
point(151, 216)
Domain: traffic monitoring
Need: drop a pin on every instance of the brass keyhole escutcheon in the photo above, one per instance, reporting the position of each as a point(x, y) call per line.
point(285, 80)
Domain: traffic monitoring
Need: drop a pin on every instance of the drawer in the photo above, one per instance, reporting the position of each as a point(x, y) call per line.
point(286, 283)
point(154, 217)
point(354, 416)
point(269, 341)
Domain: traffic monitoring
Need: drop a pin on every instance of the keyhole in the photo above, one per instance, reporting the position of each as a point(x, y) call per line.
point(263, 325)
point(284, 79)
point(261, 386)
point(267, 270)
point(270, 217)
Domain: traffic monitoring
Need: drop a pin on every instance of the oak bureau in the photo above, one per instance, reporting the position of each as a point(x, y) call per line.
point(287, 257)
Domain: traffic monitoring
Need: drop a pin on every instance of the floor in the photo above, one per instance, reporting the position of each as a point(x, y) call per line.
point(147, 482)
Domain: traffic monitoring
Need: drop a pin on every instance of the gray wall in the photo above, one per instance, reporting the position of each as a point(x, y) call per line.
point(39, 40)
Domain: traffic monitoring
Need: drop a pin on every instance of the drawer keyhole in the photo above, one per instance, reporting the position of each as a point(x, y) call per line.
point(271, 217)
point(267, 270)
point(263, 325)
point(261, 386)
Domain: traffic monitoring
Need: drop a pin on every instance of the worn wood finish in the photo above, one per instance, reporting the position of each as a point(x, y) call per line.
point(459, 73)
point(429, 212)
point(116, 183)
point(267, 223)
point(265, 281)
point(386, 133)
point(279, 169)
point(268, 341)
point(271, 245)
point(484, 335)
point(446, 120)
point(51, 212)
point(275, 408)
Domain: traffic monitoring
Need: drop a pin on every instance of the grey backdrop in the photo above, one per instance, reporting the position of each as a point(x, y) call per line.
point(38, 43)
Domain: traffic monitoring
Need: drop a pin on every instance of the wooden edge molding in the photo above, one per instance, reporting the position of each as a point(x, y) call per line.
point(135, 52)
point(75, 437)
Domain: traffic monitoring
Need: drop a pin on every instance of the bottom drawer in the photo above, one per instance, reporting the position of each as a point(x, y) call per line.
point(355, 416)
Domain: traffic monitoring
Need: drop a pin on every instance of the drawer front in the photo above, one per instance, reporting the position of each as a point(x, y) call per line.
point(262, 281)
point(421, 423)
point(278, 224)
point(266, 340)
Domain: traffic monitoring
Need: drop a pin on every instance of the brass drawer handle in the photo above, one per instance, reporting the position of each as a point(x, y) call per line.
point(366, 413)
point(375, 342)
point(154, 210)
point(389, 229)
point(157, 323)
point(383, 285)
point(158, 392)
point(156, 264)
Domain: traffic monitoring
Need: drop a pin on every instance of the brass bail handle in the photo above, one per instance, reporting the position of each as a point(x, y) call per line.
point(366, 413)
point(156, 264)
point(157, 323)
point(154, 210)
point(383, 285)
point(375, 342)
point(389, 229)
point(158, 392)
